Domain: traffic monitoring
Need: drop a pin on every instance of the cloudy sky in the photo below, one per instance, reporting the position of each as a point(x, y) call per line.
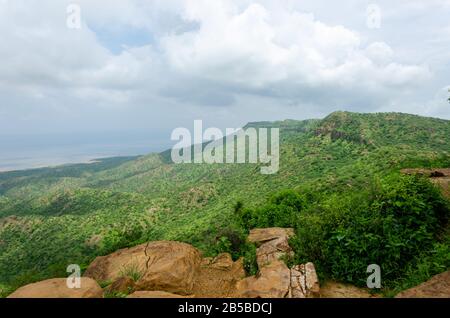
point(152, 66)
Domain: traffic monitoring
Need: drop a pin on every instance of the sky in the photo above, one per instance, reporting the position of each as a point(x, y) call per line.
point(150, 66)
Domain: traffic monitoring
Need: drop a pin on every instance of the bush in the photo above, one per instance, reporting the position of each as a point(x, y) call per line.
point(234, 242)
point(282, 211)
point(389, 223)
point(389, 228)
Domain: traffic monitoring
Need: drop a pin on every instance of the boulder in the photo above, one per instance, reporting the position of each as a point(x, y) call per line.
point(339, 290)
point(170, 267)
point(273, 244)
point(436, 287)
point(260, 236)
point(217, 277)
point(161, 265)
point(304, 282)
point(273, 281)
point(115, 265)
point(122, 285)
point(273, 250)
point(153, 294)
point(57, 288)
point(222, 261)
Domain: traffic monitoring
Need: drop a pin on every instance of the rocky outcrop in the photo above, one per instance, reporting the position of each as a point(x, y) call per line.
point(275, 279)
point(57, 288)
point(153, 294)
point(436, 287)
point(273, 244)
point(115, 265)
point(123, 285)
point(167, 269)
point(272, 281)
point(304, 282)
point(217, 277)
point(339, 290)
point(163, 265)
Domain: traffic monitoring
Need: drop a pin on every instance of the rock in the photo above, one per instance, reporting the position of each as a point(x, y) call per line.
point(122, 285)
point(263, 235)
point(304, 282)
point(153, 294)
point(171, 267)
point(162, 265)
point(218, 277)
point(57, 288)
point(436, 287)
point(273, 244)
point(339, 290)
point(222, 261)
point(273, 281)
point(272, 251)
point(114, 266)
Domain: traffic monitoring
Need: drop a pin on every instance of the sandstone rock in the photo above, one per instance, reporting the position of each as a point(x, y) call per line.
point(114, 266)
point(273, 281)
point(218, 277)
point(162, 265)
point(121, 285)
point(273, 250)
point(339, 290)
point(171, 267)
point(436, 287)
point(57, 288)
point(304, 282)
point(153, 294)
point(273, 244)
point(222, 261)
point(263, 235)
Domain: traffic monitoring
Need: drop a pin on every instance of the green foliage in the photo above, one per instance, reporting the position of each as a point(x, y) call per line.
point(282, 211)
point(388, 227)
point(132, 271)
point(234, 242)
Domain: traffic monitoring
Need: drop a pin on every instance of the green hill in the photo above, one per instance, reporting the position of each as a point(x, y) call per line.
point(53, 217)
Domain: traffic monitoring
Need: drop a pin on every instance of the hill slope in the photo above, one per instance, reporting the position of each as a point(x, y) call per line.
point(53, 217)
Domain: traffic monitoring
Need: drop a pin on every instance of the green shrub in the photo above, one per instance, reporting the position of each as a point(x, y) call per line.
point(282, 211)
point(390, 228)
point(389, 223)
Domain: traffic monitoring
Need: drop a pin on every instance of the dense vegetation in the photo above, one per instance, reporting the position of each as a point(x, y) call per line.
point(339, 186)
point(387, 224)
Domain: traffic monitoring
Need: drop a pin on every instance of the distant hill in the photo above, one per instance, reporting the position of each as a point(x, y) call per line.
point(53, 217)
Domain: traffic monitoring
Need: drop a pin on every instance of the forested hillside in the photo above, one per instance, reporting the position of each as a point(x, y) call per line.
point(339, 185)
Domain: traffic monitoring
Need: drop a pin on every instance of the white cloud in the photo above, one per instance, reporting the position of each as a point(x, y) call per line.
point(202, 53)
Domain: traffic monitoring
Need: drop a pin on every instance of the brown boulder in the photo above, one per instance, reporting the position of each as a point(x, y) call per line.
point(115, 265)
point(273, 281)
point(170, 267)
point(339, 290)
point(123, 285)
point(57, 288)
point(260, 236)
point(304, 281)
point(153, 294)
point(273, 244)
point(436, 287)
point(217, 277)
point(162, 265)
